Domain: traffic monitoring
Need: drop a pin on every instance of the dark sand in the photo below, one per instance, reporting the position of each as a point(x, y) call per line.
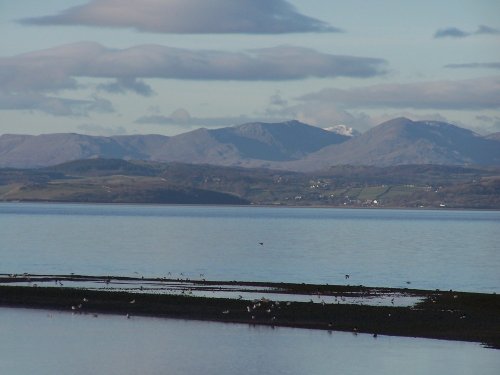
point(446, 315)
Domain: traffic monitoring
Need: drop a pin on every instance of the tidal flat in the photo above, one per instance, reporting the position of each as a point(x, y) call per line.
point(449, 315)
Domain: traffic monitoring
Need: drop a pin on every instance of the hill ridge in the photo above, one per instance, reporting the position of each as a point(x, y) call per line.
point(290, 145)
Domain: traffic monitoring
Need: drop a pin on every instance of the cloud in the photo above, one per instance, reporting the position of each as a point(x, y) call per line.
point(122, 85)
point(321, 114)
point(182, 117)
point(472, 94)
point(490, 124)
point(475, 65)
point(454, 32)
point(483, 29)
point(277, 100)
point(189, 16)
point(95, 129)
point(56, 68)
point(54, 105)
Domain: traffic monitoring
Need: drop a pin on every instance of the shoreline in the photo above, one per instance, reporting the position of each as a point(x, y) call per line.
point(448, 315)
point(402, 208)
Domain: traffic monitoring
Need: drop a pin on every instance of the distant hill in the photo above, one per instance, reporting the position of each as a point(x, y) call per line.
point(146, 145)
point(121, 181)
point(251, 144)
point(289, 145)
point(403, 141)
point(26, 151)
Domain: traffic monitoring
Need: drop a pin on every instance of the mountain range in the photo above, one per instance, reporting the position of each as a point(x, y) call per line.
point(290, 145)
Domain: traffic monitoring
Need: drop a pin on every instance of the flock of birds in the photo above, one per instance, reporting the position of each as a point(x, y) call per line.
point(257, 308)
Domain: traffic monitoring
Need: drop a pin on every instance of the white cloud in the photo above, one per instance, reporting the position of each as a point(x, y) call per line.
point(189, 16)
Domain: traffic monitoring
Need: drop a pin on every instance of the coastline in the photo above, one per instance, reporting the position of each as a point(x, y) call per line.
point(326, 207)
point(448, 315)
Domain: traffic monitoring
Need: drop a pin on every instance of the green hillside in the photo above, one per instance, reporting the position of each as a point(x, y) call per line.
point(120, 181)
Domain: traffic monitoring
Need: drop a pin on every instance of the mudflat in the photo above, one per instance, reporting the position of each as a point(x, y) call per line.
point(449, 315)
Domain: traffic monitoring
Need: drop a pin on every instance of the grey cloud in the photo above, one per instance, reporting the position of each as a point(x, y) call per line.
point(475, 65)
point(483, 29)
point(472, 94)
point(454, 32)
point(122, 85)
point(278, 100)
point(182, 117)
point(488, 118)
point(101, 130)
point(326, 114)
point(321, 114)
point(189, 16)
point(490, 124)
point(53, 105)
point(56, 68)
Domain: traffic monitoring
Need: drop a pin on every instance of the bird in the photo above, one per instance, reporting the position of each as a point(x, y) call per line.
point(261, 243)
point(347, 276)
point(133, 301)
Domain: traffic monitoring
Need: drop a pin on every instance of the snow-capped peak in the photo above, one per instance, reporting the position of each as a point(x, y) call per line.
point(343, 130)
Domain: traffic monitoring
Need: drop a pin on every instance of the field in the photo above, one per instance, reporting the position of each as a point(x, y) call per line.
point(119, 181)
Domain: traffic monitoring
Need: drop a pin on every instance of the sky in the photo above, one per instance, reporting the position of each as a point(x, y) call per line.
point(109, 67)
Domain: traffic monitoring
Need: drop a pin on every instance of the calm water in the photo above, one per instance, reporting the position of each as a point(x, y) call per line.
point(431, 249)
point(47, 343)
point(457, 250)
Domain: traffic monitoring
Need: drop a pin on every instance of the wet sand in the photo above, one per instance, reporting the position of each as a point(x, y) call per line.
point(436, 314)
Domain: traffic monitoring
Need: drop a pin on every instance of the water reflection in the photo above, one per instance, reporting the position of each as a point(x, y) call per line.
point(212, 289)
point(45, 342)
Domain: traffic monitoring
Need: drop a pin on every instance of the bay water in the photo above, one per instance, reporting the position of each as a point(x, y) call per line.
point(395, 248)
point(47, 343)
point(426, 249)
